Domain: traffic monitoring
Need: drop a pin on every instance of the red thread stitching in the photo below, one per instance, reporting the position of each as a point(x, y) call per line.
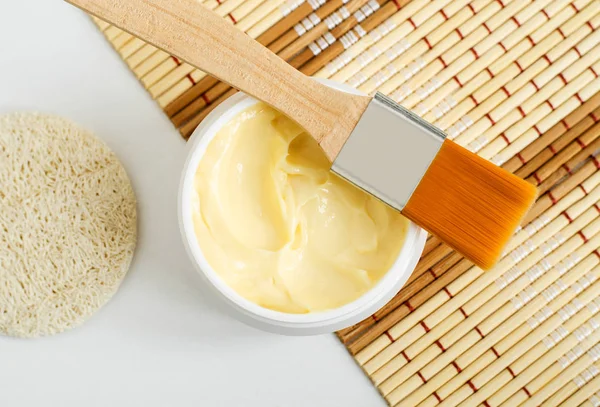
point(403, 353)
point(472, 386)
point(519, 66)
point(479, 332)
point(427, 42)
point(562, 78)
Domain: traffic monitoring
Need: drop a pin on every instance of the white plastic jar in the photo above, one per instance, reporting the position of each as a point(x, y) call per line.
point(251, 313)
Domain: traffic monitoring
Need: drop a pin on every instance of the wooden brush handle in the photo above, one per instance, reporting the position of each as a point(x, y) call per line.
point(196, 35)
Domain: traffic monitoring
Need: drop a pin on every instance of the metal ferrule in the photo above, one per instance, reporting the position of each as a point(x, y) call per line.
point(389, 151)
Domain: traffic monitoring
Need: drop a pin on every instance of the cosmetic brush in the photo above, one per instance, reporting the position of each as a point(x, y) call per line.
point(372, 142)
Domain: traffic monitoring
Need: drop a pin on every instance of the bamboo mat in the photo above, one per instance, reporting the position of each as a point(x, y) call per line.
point(515, 81)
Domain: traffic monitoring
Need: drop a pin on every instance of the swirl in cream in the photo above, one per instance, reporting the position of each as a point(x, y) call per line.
point(280, 228)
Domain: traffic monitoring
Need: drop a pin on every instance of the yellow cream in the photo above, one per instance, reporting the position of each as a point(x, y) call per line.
point(280, 228)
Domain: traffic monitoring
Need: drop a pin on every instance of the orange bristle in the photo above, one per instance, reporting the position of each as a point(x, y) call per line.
point(469, 203)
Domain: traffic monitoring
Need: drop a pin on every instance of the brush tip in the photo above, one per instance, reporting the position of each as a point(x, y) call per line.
point(471, 204)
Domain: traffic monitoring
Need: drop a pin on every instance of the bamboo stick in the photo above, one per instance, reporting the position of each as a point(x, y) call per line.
point(515, 138)
point(469, 108)
point(328, 9)
point(551, 354)
point(577, 144)
point(426, 43)
point(484, 54)
point(408, 307)
point(496, 339)
point(387, 64)
point(187, 129)
point(547, 199)
point(545, 328)
point(567, 317)
point(539, 151)
point(212, 4)
point(351, 26)
point(519, 89)
point(583, 156)
point(499, 25)
point(349, 334)
point(348, 20)
point(292, 13)
point(420, 291)
point(386, 27)
point(429, 311)
point(420, 352)
point(479, 74)
point(324, 52)
point(575, 380)
point(409, 29)
point(102, 25)
point(477, 339)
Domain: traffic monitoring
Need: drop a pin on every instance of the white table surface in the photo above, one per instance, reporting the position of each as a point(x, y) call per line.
point(160, 341)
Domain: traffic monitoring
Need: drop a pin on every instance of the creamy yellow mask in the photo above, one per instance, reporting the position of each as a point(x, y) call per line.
point(279, 227)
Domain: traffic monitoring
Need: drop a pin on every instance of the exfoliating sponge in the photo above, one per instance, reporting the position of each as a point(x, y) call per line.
point(67, 224)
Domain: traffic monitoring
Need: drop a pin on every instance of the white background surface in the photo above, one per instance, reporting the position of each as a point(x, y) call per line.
point(160, 341)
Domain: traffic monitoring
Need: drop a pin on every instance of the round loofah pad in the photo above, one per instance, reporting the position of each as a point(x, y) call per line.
point(67, 224)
